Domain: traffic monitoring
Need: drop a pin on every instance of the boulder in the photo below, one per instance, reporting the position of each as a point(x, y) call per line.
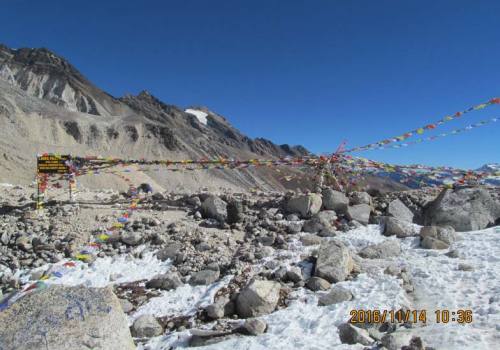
point(464, 209)
point(220, 308)
point(305, 205)
point(336, 295)
point(170, 252)
point(399, 210)
point(317, 283)
point(324, 220)
point(360, 198)
point(255, 326)
point(334, 261)
point(234, 211)
point(258, 298)
point(60, 318)
point(398, 228)
point(360, 213)
point(166, 281)
point(214, 208)
point(309, 239)
point(126, 305)
point(350, 334)
point(383, 250)
point(435, 237)
point(146, 326)
point(131, 238)
point(204, 277)
point(335, 200)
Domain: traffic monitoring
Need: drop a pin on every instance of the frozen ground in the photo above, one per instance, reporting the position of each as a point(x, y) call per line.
point(438, 281)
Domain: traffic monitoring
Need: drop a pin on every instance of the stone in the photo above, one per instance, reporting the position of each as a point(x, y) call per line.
point(258, 298)
point(220, 308)
point(166, 281)
point(334, 261)
point(335, 200)
point(170, 252)
point(318, 284)
point(255, 326)
point(465, 209)
point(127, 306)
point(309, 239)
point(294, 227)
point(305, 205)
point(146, 326)
point(321, 221)
point(350, 334)
point(360, 198)
point(294, 274)
point(383, 250)
point(465, 267)
point(214, 208)
point(400, 211)
point(398, 228)
point(360, 213)
point(204, 277)
point(24, 243)
point(60, 318)
point(336, 295)
point(234, 211)
point(435, 237)
point(445, 234)
point(131, 238)
point(416, 343)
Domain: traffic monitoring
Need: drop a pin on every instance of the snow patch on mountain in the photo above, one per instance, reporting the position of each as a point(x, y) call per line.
point(200, 115)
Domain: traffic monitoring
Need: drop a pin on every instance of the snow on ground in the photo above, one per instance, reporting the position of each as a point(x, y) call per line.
point(438, 285)
point(109, 270)
point(202, 116)
point(184, 300)
point(438, 282)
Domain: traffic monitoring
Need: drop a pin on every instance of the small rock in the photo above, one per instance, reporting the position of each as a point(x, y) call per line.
point(336, 295)
point(465, 267)
point(318, 284)
point(127, 306)
point(255, 326)
point(167, 281)
point(353, 335)
point(204, 277)
point(146, 326)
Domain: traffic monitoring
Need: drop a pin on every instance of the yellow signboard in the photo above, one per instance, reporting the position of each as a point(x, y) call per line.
point(53, 164)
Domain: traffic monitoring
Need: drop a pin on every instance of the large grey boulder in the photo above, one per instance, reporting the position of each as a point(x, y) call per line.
point(360, 213)
point(383, 250)
point(465, 209)
point(146, 326)
point(334, 261)
point(305, 205)
point(335, 200)
point(398, 228)
point(400, 211)
point(436, 237)
point(258, 298)
point(321, 221)
point(60, 318)
point(214, 208)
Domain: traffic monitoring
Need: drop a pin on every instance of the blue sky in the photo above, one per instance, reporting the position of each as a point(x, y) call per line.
point(299, 72)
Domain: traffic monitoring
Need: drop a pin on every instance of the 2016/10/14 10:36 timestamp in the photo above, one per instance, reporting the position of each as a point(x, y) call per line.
point(461, 316)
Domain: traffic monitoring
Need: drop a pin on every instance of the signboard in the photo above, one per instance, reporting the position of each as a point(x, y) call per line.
point(53, 164)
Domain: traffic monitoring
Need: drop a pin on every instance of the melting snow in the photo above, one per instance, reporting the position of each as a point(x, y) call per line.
point(202, 116)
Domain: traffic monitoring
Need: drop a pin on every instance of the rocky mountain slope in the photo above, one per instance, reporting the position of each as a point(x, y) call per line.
point(47, 105)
